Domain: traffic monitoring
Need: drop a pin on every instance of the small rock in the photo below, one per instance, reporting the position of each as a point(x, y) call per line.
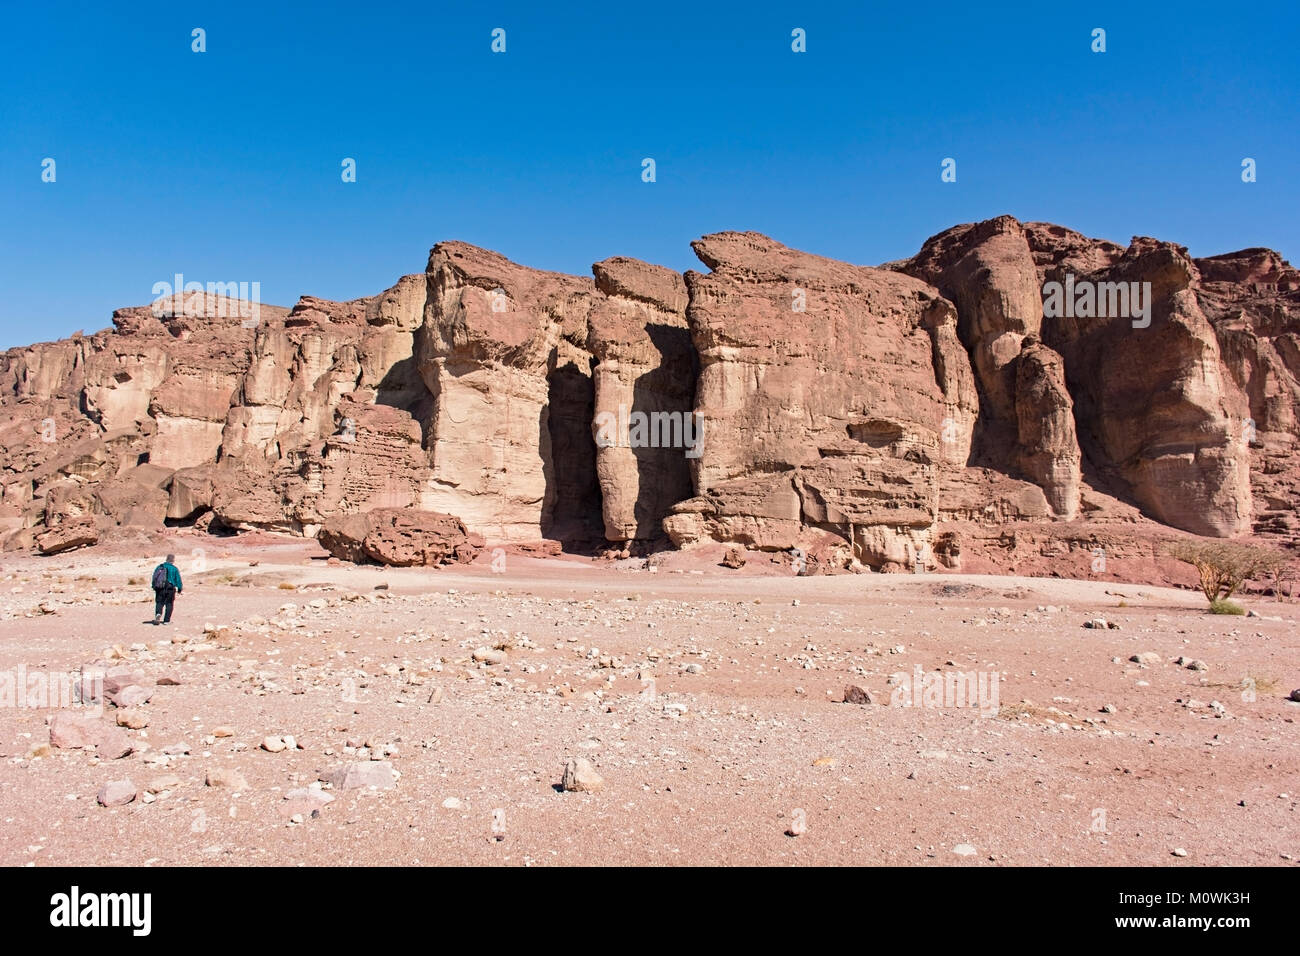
point(306, 801)
point(226, 777)
point(451, 803)
point(133, 695)
point(356, 776)
point(273, 744)
point(71, 730)
point(1197, 665)
point(168, 680)
point(223, 731)
point(1109, 709)
point(1179, 851)
point(1097, 623)
point(580, 775)
point(132, 719)
point(489, 655)
point(853, 694)
point(116, 793)
point(964, 849)
point(166, 782)
point(1146, 657)
point(1294, 695)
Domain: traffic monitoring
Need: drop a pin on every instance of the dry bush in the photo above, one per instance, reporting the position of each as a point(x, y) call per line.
point(1223, 566)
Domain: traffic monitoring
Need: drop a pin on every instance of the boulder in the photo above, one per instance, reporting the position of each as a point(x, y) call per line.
point(68, 534)
point(400, 537)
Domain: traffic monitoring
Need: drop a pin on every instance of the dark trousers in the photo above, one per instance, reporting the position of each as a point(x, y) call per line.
point(163, 599)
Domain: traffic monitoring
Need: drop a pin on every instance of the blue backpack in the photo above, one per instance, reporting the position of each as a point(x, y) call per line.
point(159, 577)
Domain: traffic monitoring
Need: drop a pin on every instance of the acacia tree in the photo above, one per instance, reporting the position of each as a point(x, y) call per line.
point(1223, 566)
point(1280, 568)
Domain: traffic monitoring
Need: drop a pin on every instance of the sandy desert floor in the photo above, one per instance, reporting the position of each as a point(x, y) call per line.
point(710, 702)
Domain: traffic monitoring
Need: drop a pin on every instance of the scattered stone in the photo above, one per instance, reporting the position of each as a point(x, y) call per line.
point(581, 776)
point(226, 777)
point(964, 849)
point(1179, 851)
point(273, 744)
point(489, 655)
point(70, 731)
point(168, 680)
point(117, 793)
point(132, 719)
point(223, 731)
point(1197, 665)
point(734, 558)
point(305, 801)
point(367, 774)
point(160, 784)
point(1108, 709)
point(1146, 657)
point(853, 694)
point(451, 803)
point(133, 695)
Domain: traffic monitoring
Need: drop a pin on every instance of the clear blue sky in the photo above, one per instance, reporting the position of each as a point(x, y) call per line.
point(225, 165)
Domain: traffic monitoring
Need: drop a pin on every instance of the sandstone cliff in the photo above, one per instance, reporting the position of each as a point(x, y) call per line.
point(944, 410)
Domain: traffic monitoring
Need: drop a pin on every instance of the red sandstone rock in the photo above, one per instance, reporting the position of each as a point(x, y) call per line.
point(400, 537)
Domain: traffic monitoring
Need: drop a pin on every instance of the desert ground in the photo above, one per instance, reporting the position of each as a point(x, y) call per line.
point(709, 703)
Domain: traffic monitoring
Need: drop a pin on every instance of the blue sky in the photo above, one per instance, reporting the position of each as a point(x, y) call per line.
point(225, 165)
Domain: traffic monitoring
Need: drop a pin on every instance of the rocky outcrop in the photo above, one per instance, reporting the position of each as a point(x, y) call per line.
point(400, 537)
point(503, 353)
point(1252, 298)
point(645, 374)
point(1047, 449)
point(820, 401)
point(918, 415)
point(1160, 412)
point(988, 271)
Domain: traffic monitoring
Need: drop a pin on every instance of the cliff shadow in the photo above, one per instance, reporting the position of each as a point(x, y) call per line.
point(572, 512)
point(664, 473)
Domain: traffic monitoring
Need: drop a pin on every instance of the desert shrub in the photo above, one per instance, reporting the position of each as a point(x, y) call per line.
point(1224, 606)
point(1223, 566)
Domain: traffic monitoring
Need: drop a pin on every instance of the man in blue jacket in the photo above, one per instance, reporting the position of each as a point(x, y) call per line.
point(166, 585)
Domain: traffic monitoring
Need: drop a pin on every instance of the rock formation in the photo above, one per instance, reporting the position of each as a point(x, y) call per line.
point(1014, 393)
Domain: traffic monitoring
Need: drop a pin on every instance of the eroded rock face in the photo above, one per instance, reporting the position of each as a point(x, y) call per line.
point(502, 351)
point(927, 414)
point(1047, 447)
point(1157, 408)
point(646, 366)
point(1252, 298)
point(400, 537)
point(987, 269)
point(821, 401)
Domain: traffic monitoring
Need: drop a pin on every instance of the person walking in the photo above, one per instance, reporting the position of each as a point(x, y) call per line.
point(166, 585)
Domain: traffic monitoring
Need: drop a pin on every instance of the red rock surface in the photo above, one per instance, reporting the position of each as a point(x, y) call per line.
point(859, 417)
